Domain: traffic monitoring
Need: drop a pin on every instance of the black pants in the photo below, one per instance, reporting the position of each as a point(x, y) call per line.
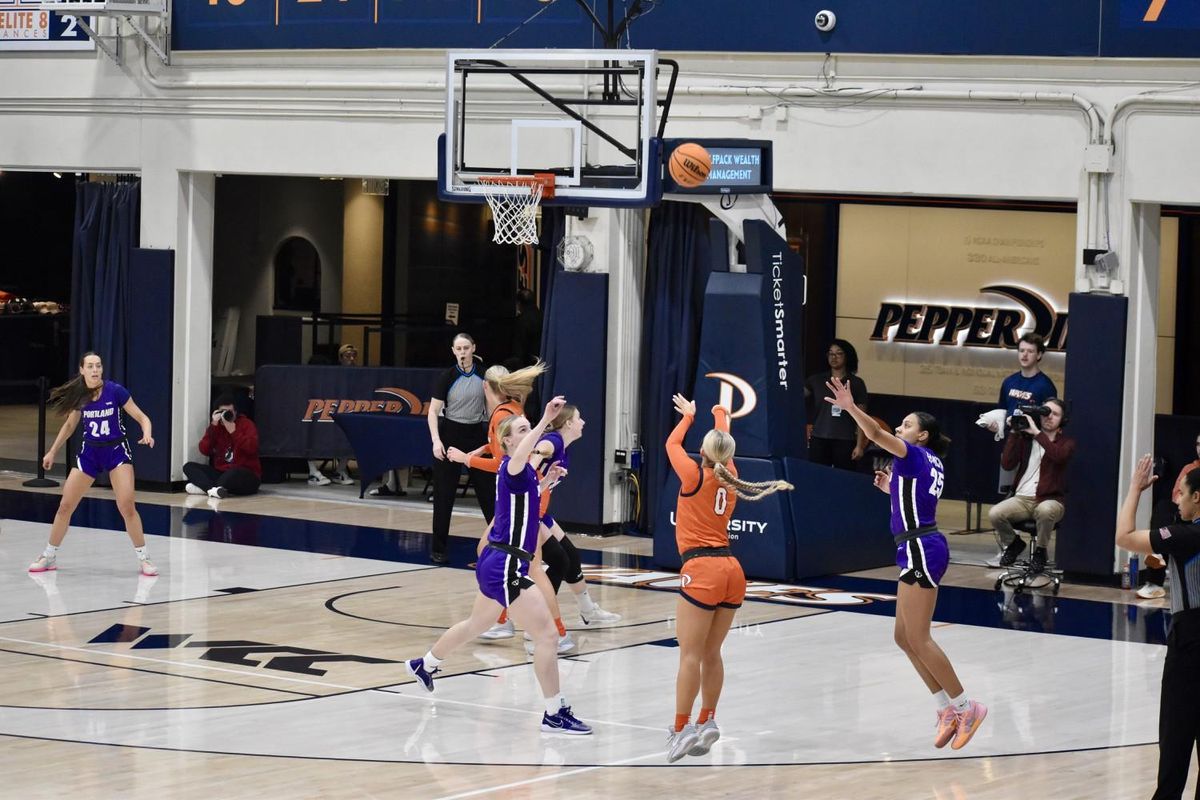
point(235, 480)
point(1179, 706)
point(446, 474)
point(832, 452)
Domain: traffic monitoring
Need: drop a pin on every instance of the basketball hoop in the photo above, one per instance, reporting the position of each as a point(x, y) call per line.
point(514, 200)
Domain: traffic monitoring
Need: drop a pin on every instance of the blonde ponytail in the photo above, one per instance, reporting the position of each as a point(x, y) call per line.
point(748, 490)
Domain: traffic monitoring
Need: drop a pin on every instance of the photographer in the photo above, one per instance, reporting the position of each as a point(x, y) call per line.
point(231, 444)
point(1038, 451)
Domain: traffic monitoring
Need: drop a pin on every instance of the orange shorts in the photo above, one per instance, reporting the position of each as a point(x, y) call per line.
point(712, 581)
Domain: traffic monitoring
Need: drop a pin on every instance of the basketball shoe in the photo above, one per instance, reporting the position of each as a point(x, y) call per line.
point(969, 722)
point(681, 741)
point(564, 722)
point(947, 725)
point(708, 734)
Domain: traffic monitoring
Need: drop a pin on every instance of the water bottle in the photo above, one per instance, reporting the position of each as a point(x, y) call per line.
point(1133, 571)
point(1125, 576)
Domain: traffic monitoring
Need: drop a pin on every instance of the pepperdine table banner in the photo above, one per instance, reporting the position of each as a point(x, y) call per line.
point(295, 404)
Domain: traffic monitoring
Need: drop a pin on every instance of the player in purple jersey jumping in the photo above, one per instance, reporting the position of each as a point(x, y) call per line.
point(98, 404)
point(914, 483)
point(502, 571)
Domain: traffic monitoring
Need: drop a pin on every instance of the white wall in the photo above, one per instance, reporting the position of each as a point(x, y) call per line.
point(379, 113)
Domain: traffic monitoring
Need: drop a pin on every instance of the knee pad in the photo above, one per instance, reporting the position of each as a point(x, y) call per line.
point(556, 562)
point(574, 572)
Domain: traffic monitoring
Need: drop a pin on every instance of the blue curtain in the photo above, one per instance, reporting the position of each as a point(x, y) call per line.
point(554, 224)
point(106, 231)
point(677, 269)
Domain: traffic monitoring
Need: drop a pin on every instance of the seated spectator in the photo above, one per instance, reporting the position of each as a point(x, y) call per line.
point(1038, 452)
point(1164, 514)
point(231, 444)
point(347, 357)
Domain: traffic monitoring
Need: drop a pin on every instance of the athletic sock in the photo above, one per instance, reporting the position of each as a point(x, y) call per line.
point(553, 703)
point(50, 552)
point(431, 661)
point(586, 603)
point(503, 617)
point(942, 699)
point(680, 721)
point(960, 703)
point(562, 629)
point(705, 715)
point(141, 553)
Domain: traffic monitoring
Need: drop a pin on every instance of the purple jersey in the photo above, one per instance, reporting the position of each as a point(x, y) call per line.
point(916, 485)
point(101, 418)
point(517, 517)
point(559, 456)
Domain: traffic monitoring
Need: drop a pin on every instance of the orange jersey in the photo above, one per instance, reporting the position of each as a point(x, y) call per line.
point(705, 505)
point(490, 460)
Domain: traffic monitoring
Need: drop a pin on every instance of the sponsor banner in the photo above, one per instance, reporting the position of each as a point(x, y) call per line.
point(27, 26)
point(294, 405)
point(751, 358)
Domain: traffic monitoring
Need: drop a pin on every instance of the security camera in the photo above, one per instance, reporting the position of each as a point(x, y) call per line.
point(825, 20)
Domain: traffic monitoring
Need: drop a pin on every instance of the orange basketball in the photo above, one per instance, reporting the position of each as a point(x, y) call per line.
point(689, 165)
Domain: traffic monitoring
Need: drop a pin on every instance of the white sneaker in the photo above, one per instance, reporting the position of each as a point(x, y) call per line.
point(1151, 591)
point(218, 492)
point(147, 568)
point(318, 480)
point(343, 479)
point(192, 488)
point(708, 733)
point(501, 630)
point(565, 644)
point(44, 564)
point(598, 616)
point(680, 742)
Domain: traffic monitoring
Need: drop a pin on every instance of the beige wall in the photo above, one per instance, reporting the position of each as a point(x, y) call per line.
point(362, 260)
point(946, 256)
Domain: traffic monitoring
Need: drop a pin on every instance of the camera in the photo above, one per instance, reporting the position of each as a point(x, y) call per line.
point(825, 20)
point(227, 414)
point(1021, 423)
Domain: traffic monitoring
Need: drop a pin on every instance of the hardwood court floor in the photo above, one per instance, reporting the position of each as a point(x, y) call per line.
point(266, 661)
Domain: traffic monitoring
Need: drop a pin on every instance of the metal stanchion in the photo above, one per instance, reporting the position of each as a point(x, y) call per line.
point(41, 481)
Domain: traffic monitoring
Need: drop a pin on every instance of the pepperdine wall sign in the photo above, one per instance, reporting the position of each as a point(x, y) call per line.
point(973, 326)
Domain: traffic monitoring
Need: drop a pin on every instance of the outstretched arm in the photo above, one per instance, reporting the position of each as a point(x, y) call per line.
point(1128, 538)
point(687, 469)
point(843, 399)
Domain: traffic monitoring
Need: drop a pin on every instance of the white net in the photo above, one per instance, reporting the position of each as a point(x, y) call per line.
point(514, 211)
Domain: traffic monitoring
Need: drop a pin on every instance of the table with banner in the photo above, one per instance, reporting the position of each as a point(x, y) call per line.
point(374, 414)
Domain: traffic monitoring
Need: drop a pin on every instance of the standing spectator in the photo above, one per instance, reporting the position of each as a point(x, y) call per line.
point(231, 444)
point(1028, 385)
point(1165, 513)
point(836, 439)
point(347, 357)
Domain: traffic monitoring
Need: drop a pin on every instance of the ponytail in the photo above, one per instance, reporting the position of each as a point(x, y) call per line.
point(938, 442)
point(72, 395)
point(748, 490)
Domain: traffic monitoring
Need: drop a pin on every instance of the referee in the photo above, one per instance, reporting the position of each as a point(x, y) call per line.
point(457, 414)
point(1179, 702)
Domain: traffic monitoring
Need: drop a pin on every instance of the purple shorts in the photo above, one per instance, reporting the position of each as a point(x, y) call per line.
point(94, 459)
point(501, 576)
point(923, 560)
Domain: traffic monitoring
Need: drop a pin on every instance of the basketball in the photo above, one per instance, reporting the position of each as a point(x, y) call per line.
point(689, 165)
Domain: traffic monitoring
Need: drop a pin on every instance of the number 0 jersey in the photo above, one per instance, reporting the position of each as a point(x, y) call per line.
point(705, 506)
point(916, 485)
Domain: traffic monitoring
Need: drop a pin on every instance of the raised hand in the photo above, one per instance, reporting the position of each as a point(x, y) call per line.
point(1143, 473)
point(684, 406)
point(842, 397)
point(883, 481)
point(553, 407)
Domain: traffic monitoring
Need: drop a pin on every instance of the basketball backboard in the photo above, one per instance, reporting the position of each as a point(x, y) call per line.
point(589, 117)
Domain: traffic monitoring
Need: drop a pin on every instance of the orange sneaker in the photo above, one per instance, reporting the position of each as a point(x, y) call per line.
point(947, 724)
point(969, 722)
